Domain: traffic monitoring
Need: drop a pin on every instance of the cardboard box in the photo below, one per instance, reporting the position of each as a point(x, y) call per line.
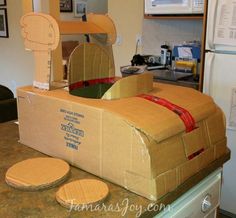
point(132, 142)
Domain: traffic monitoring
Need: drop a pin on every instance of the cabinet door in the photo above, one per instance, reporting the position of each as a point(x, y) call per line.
point(199, 202)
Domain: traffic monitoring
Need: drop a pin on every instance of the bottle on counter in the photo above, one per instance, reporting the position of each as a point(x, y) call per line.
point(164, 49)
point(165, 55)
point(168, 57)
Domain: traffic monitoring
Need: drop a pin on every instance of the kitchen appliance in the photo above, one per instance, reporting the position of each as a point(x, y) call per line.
point(160, 7)
point(220, 82)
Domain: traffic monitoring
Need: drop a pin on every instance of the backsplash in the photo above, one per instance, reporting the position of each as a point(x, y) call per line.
point(172, 32)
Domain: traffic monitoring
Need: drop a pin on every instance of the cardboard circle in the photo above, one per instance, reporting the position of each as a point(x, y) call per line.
point(82, 192)
point(37, 173)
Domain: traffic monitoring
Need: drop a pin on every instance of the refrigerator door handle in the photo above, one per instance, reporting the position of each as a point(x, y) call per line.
point(208, 73)
point(211, 22)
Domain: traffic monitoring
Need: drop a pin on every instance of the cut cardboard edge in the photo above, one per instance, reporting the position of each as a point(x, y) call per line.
point(16, 180)
point(38, 188)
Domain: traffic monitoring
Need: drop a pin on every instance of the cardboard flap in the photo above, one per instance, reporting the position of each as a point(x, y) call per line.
point(130, 86)
point(89, 61)
point(193, 143)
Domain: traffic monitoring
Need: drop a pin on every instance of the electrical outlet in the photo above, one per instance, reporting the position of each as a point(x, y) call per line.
point(139, 39)
point(119, 40)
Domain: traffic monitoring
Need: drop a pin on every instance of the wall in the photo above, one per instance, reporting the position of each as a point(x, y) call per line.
point(157, 32)
point(16, 65)
point(127, 16)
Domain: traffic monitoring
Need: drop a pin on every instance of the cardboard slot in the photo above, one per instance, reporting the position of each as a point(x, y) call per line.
point(193, 142)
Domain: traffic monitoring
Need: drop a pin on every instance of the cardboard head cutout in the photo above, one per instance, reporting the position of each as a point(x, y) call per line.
point(41, 35)
point(40, 32)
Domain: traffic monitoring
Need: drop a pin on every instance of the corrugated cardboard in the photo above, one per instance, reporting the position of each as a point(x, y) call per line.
point(132, 142)
point(41, 35)
point(90, 61)
point(37, 173)
point(82, 192)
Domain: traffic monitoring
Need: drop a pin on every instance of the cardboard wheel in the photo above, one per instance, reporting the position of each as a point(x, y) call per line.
point(37, 173)
point(82, 192)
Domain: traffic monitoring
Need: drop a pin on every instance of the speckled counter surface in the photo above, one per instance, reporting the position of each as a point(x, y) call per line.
point(120, 202)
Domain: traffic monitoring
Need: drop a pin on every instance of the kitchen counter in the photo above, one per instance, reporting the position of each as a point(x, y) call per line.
point(159, 76)
point(15, 203)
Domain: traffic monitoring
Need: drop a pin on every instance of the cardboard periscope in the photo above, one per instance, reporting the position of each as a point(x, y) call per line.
point(148, 138)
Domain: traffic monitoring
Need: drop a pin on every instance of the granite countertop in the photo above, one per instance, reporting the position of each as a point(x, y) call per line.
point(21, 204)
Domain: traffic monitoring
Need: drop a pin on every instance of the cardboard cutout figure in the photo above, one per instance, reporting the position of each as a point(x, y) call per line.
point(41, 35)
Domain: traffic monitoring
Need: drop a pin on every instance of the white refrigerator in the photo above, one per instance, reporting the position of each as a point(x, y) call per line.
point(220, 83)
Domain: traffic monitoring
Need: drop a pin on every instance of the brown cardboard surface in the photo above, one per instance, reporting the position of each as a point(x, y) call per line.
point(193, 141)
point(82, 192)
point(130, 141)
point(90, 61)
point(130, 86)
point(216, 127)
point(41, 35)
point(169, 123)
point(106, 23)
point(220, 148)
point(37, 173)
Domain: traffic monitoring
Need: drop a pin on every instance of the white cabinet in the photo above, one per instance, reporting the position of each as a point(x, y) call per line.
point(199, 202)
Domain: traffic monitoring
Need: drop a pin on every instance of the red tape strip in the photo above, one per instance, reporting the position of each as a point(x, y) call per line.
point(86, 83)
point(184, 115)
